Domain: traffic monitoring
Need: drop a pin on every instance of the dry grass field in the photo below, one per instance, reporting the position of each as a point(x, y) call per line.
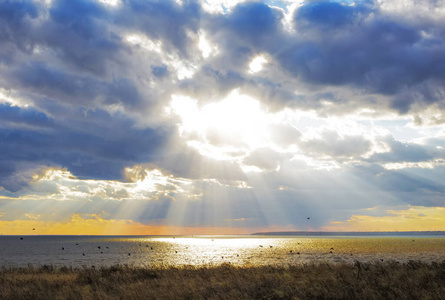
point(379, 280)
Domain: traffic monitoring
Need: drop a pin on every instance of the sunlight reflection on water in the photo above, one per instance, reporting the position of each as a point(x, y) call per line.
point(212, 250)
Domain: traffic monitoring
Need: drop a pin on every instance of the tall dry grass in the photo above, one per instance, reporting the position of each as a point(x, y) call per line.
point(380, 280)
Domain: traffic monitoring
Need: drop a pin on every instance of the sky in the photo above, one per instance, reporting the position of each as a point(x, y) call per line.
point(221, 117)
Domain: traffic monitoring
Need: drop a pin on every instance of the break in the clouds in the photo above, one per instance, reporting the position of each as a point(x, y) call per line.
point(221, 116)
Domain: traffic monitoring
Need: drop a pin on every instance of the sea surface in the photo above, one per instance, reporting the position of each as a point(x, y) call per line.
point(148, 251)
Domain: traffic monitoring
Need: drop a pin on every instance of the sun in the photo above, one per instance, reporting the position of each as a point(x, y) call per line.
point(223, 130)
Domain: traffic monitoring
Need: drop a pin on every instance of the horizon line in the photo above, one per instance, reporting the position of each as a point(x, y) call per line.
point(303, 232)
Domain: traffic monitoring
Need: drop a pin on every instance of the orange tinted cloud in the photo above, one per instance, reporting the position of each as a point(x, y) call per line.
point(94, 224)
point(415, 218)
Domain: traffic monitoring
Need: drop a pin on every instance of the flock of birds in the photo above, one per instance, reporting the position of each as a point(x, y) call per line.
point(176, 251)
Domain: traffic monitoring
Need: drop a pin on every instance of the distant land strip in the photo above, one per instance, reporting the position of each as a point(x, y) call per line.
point(353, 233)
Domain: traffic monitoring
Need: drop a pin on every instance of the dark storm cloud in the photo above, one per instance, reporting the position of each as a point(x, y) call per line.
point(80, 34)
point(340, 44)
point(251, 28)
point(359, 47)
point(15, 23)
point(15, 117)
point(77, 90)
point(59, 59)
point(161, 20)
point(407, 152)
point(412, 186)
point(330, 16)
point(91, 145)
point(254, 22)
point(75, 31)
point(75, 51)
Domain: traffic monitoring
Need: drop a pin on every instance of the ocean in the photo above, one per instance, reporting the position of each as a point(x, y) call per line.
point(150, 251)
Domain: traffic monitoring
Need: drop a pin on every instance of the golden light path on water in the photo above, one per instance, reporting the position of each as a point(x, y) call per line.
point(199, 251)
point(215, 250)
point(263, 251)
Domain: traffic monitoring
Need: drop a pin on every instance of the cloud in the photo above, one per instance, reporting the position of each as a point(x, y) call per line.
point(284, 134)
point(410, 219)
point(265, 159)
point(413, 186)
point(345, 113)
point(407, 152)
point(360, 46)
point(169, 21)
point(16, 117)
point(16, 18)
point(254, 22)
point(357, 46)
point(332, 144)
point(330, 16)
point(88, 92)
point(80, 34)
point(36, 139)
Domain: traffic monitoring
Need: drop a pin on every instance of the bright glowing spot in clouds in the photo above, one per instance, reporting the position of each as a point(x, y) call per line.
point(144, 42)
point(224, 129)
point(110, 2)
point(183, 71)
point(419, 165)
point(256, 64)
point(206, 48)
point(145, 184)
point(5, 97)
point(219, 6)
point(46, 2)
point(54, 174)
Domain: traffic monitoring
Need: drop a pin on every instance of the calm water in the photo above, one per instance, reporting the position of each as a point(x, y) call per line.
point(212, 250)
